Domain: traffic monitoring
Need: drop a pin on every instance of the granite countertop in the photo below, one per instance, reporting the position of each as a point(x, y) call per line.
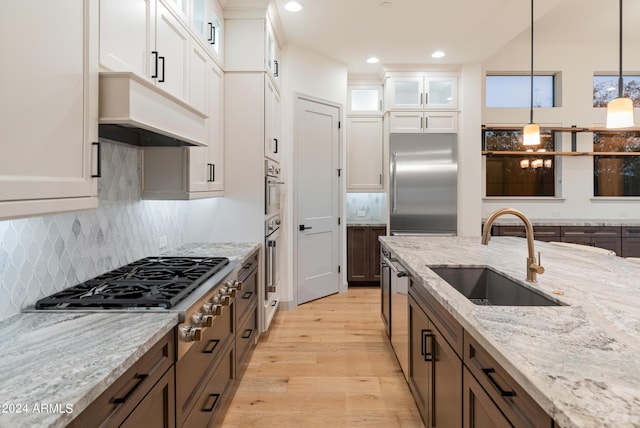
point(631, 222)
point(366, 223)
point(70, 358)
point(578, 361)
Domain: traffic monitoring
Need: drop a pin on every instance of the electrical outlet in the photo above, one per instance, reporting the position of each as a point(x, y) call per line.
point(162, 242)
point(361, 213)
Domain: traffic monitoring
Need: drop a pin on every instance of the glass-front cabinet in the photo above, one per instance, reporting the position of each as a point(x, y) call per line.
point(364, 99)
point(423, 91)
point(207, 24)
point(272, 52)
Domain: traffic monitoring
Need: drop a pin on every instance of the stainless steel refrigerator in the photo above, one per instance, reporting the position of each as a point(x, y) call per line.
point(423, 194)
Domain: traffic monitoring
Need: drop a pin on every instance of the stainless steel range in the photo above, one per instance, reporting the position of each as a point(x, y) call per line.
point(196, 288)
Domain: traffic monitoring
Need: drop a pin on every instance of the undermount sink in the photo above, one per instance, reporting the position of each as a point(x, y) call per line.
point(484, 286)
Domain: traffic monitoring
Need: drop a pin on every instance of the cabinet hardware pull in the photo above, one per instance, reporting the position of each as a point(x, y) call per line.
point(427, 351)
point(488, 373)
point(155, 73)
point(276, 68)
point(421, 122)
point(213, 35)
point(140, 378)
point(210, 38)
point(210, 407)
point(212, 172)
point(162, 59)
point(302, 227)
point(213, 343)
point(247, 333)
point(98, 173)
point(274, 302)
point(426, 98)
point(380, 178)
point(275, 141)
point(247, 295)
point(420, 98)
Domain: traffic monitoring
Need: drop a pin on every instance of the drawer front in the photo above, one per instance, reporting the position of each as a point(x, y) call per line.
point(508, 395)
point(450, 329)
point(247, 333)
point(121, 398)
point(248, 295)
point(631, 232)
point(630, 247)
point(479, 411)
point(190, 369)
point(210, 398)
point(591, 231)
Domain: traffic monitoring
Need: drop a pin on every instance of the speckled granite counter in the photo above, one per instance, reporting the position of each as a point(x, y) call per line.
point(68, 359)
point(579, 361)
point(368, 223)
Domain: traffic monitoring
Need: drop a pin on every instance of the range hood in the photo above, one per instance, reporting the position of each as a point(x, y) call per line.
point(135, 111)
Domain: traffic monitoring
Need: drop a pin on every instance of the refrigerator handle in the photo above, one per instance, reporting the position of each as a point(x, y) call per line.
point(394, 184)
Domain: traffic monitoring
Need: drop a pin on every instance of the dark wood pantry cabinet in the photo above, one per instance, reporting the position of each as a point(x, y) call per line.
point(363, 254)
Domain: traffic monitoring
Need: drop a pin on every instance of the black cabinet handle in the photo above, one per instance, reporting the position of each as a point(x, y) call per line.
point(155, 56)
point(162, 59)
point(427, 350)
point(275, 150)
point(211, 346)
point(247, 333)
point(210, 38)
point(276, 69)
point(213, 35)
point(488, 373)
point(302, 227)
point(140, 378)
point(98, 173)
point(212, 172)
point(213, 398)
point(247, 295)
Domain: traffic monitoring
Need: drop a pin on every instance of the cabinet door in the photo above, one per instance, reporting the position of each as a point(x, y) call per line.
point(406, 93)
point(198, 78)
point(374, 251)
point(157, 409)
point(215, 150)
point(126, 28)
point(207, 25)
point(479, 411)
point(271, 121)
point(613, 244)
point(445, 409)
point(365, 154)
point(357, 253)
point(441, 122)
point(441, 93)
point(420, 358)
point(630, 247)
point(406, 122)
point(272, 52)
point(364, 99)
point(48, 106)
point(172, 45)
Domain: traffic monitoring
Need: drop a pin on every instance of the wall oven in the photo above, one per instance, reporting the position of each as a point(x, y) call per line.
point(272, 247)
point(272, 184)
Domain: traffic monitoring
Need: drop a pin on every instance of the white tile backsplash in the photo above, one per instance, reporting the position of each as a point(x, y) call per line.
point(372, 205)
point(41, 255)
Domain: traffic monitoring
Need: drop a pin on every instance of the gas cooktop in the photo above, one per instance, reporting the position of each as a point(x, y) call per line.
point(152, 282)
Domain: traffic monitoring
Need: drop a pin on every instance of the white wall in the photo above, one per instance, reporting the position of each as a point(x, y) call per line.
point(577, 64)
point(304, 72)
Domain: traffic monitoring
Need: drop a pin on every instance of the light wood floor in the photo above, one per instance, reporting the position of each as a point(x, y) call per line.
point(327, 363)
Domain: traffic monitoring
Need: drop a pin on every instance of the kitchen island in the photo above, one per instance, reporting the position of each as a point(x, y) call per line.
point(578, 361)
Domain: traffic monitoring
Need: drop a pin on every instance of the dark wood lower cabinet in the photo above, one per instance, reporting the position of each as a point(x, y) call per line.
point(435, 372)
point(157, 409)
point(363, 253)
point(479, 410)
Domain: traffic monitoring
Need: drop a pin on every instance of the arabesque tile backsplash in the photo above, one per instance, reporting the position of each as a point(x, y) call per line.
point(41, 255)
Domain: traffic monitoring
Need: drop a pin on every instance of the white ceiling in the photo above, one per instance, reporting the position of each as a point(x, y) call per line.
point(469, 31)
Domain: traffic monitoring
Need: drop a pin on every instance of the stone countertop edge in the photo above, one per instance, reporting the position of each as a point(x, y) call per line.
point(76, 356)
point(366, 223)
point(512, 221)
point(577, 361)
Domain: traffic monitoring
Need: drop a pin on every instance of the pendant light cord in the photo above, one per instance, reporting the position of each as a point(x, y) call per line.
point(531, 110)
point(620, 65)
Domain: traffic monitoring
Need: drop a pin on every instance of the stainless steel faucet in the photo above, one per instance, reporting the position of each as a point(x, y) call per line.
point(533, 267)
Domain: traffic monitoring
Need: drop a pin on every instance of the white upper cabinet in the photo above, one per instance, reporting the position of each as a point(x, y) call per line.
point(272, 144)
point(364, 99)
point(365, 154)
point(272, 51)
point(423, 91)
point(48, 106)
point(170, 56)
point(423, 122)
point(206, 22)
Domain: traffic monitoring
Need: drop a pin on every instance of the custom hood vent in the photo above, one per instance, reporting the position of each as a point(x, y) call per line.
point(135, 111)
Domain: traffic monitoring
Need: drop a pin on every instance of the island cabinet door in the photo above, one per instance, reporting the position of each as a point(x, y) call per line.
point(478, 408)
point(445, 409)
point(419, 358)
point(158, 407)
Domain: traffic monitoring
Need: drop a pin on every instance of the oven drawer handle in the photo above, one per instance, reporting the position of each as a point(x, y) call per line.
point(247, 295)
point(208, 350)
point(488, 372)
point(210, 407)
point(140, 379)
point(247, 333)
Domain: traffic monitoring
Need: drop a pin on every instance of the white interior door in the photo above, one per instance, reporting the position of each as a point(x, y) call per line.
point(318, 201)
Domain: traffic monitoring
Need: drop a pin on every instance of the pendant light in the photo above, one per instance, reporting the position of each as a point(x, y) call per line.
point(531, 132)
point(620, 110)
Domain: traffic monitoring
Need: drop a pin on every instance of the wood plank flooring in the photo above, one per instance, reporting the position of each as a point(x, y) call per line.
point(327, 363)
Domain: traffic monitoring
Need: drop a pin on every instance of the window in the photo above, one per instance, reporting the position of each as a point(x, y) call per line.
point(605, 88)
point(616, 175)
point(505, 91)
point(532, 174)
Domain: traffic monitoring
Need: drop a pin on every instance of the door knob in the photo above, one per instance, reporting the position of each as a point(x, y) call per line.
point(302, 227)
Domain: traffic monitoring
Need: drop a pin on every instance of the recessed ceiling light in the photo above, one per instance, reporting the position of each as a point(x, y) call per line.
point(373, 60)
point(293, 6)
point(437, 54)
point(386, 4)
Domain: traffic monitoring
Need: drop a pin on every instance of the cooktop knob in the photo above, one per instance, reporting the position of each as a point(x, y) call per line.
point(212, 308)
point(189, 333)
point(202, 320)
